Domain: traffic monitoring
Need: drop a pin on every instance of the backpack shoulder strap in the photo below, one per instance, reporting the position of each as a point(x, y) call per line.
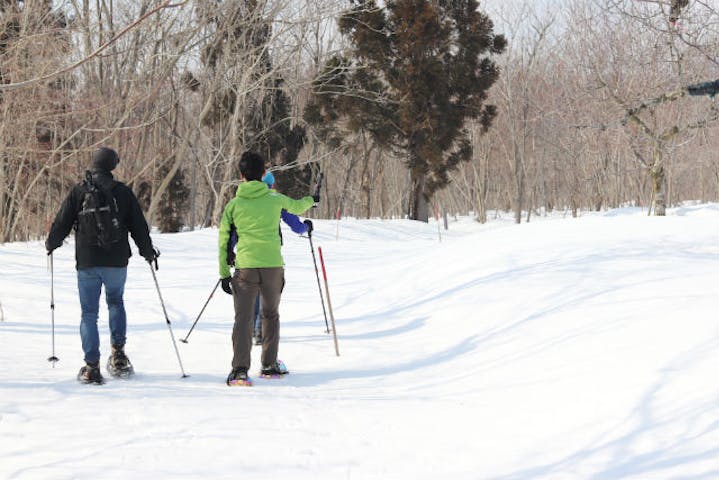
point(88, 182)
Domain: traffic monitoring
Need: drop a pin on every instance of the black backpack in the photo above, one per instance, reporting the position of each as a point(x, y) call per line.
point(97, 221)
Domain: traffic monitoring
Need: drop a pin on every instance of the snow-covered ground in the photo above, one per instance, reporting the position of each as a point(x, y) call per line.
point(560, 349)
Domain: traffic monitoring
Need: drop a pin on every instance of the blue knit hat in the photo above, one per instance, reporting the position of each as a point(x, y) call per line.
point(269, 179)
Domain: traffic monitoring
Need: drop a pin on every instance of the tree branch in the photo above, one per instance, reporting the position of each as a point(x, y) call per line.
point(100, 49)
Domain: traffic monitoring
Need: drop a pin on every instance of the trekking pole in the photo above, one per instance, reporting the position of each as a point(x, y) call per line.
point(52, 358)
point(184, 340)
point(316, 195)
point(317, 274)
point(167, 319)
point(329, 303)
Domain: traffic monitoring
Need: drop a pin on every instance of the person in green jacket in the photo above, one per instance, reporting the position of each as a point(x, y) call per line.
point(254, 214)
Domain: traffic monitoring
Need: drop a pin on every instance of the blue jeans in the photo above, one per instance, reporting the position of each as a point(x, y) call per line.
point(89, 284)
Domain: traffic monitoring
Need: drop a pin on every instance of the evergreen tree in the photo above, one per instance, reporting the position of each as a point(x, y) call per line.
point(417, 71)
point(175, 202)
point(241, 38)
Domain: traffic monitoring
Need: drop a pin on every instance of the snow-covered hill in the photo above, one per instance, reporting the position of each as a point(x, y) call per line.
point(559, 349)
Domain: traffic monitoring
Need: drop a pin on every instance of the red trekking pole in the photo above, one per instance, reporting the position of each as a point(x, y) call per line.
point(317, 274)
point(329, 303)
point(316, 196)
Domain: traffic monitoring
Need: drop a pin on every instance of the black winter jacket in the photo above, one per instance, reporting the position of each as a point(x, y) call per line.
point(131, 220)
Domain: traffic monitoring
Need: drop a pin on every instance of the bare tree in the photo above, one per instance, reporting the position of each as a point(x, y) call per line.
point(645, 72)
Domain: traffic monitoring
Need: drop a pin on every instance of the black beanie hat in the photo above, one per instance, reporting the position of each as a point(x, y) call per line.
point(105, 159)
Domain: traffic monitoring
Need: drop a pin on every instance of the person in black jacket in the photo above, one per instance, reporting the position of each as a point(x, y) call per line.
point(102, 265)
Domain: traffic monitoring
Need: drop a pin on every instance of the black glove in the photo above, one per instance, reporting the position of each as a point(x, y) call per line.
point(152, 255)
point(316, 195)
point(310, 227)
point(48, 247)
point(226, 287)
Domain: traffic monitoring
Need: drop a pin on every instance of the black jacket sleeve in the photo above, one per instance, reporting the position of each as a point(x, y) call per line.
point(138, 227)
point(64, 220)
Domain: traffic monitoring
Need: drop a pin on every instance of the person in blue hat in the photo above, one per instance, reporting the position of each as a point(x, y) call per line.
point(299, 227)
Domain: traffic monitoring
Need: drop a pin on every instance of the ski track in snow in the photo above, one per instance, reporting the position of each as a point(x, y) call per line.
point(559, 349)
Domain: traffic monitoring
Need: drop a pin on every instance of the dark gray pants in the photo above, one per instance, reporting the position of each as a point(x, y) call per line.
point(246, 283)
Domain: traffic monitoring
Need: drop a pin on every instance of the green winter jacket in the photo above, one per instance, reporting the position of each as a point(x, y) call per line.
point(255, 214)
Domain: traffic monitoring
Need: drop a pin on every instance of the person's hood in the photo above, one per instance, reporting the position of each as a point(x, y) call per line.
point(252, 189)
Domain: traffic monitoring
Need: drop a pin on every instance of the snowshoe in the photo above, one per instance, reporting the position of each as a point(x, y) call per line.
point(276, 370)
point(90, 373)
point(118, 365)
point(238, 378)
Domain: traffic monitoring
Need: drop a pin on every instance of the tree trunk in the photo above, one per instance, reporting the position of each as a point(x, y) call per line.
point(519, 185)
point(4, 201)
point(659, 189)
point(159, 191)
point(478, 194)
point(418, 205)
point(345, 187)
point(227, 172)
point(366, 183)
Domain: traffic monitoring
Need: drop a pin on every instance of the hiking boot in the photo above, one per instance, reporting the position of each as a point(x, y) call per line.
point(118, 365)
point(238, 376)
point(276, 369)
point(90, 373)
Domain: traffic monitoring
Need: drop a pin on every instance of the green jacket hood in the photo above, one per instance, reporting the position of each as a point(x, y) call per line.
point(252, 189)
